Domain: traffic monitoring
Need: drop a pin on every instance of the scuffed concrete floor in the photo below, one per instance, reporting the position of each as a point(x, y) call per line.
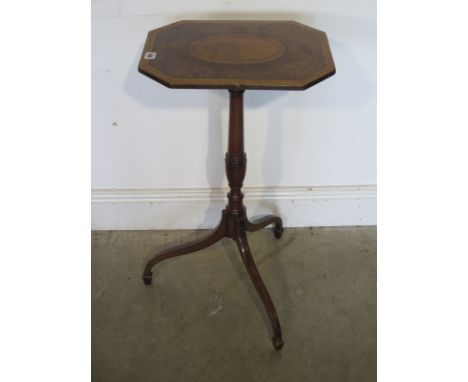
point(201, 319)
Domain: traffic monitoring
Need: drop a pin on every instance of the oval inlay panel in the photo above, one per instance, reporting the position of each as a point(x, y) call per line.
point(236, 49)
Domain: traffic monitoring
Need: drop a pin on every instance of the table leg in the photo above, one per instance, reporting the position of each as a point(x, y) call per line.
point(234, 222)
point(249, 263)
point(196, 245)
point(263, 222)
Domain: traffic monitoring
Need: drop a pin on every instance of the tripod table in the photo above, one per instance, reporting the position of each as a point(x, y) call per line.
point(236, 55)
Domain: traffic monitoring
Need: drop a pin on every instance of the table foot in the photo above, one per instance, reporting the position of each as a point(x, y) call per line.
point(147, 277)
point(254, 274)
point(262, 223)
point(277, 342)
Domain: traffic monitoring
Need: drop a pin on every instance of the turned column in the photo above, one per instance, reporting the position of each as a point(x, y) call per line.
point(235, 162)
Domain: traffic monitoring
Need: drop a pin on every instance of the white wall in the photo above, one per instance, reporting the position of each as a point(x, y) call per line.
point(317, 146)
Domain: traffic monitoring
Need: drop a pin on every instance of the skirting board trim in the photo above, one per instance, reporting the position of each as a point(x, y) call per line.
point(201, 207)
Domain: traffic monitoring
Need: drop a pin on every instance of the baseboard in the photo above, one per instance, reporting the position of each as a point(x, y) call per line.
point(201, 208)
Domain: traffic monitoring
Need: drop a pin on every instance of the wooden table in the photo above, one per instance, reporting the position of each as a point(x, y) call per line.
point(236, 55)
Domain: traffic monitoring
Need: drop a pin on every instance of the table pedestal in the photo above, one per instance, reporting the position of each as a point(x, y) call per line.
point(234, 222)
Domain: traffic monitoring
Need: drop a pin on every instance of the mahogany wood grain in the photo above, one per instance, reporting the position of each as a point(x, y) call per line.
point(236, 55)
point(234, 222)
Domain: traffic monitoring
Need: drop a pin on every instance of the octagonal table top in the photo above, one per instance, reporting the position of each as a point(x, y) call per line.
point(237, 55)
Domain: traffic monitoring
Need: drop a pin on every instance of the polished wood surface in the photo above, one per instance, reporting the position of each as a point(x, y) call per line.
point(237, 55)
point(236, 49)
point(234, 222)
